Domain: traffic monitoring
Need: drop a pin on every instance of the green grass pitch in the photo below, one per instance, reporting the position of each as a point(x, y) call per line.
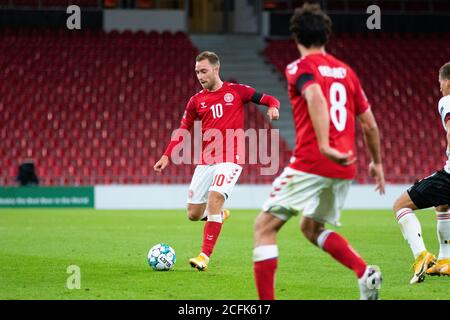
point(110, 247)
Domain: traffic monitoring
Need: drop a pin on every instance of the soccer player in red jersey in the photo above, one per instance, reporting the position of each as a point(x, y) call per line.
point(220, 107)
point(327, 98)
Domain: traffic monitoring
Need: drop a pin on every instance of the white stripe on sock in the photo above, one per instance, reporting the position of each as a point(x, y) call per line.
point(322, 237)
point(215, 218)
point(265, 252)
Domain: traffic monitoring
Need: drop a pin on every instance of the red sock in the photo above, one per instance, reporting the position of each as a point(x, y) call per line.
point(341, 250)
point(210, 235)
point(265, 278)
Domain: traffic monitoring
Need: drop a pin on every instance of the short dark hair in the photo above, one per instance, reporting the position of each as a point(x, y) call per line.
point(210, 56)
point(444, 71)
point(310, 25)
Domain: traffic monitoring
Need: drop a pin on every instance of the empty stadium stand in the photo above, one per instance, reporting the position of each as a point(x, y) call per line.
point(98, 108)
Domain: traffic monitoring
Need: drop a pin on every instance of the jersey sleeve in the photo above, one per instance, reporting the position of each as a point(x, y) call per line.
point(189, 116)
point(361, 102)
point(245, 92)
point(301, 75)
point(444, 109)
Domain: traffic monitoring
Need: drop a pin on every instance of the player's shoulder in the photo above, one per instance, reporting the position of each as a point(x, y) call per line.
point(239, 88)
point(236, 85)
point(298, 66)
point(342, 70)
point(444, 104)
point(444, 101)
point(196, 96)
point(199, 94)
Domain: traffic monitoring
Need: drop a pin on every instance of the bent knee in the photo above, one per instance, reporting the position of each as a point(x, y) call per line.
point(442, 208)
point(194, 214)
point(309, 234)
point(311, 230)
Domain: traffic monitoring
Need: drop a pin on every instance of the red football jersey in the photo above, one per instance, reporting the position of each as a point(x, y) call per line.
point(220, 110)
point(346, 99)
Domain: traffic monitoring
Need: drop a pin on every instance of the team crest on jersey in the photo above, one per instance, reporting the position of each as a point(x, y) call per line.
point(228, 97)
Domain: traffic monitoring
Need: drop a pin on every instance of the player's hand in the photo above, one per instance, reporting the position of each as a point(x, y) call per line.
point(344, 159)
point(273, 114)
point(376, 172)
point(161, 164)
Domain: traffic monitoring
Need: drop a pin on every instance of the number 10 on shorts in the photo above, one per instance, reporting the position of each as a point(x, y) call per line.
point(218, 180)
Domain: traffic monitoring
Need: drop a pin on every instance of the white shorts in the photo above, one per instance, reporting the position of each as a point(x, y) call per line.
point(320, 198)
point(220, 177)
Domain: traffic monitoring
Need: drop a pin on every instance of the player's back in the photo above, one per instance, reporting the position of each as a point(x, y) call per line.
point(345, 98)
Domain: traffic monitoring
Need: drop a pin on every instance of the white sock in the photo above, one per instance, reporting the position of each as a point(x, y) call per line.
point(265, 252)
point(205, 214)
point(411, 230)
point(443, 233)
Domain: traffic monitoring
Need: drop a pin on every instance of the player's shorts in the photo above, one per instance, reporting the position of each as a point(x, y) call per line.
point(221, 177)
point(431, 191)
point(320, 198)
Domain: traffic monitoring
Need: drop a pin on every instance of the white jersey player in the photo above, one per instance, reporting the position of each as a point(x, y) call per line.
point(432, 191)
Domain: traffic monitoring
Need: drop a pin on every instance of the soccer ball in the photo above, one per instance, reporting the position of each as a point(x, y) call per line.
point(161, 257)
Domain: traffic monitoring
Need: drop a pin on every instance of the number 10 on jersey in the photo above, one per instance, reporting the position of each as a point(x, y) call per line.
point(217, 110)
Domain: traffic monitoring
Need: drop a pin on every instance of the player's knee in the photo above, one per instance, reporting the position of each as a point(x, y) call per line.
point(262, 229)
point(308, 232)
point(193, 214)
point(398, 204)
point(442, 208)
point(193, 217)
point(258, 226)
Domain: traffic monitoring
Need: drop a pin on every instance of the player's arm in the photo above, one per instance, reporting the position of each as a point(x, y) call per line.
point(186, 124)
point(320, 118)
point(249, 94)
point(270, 101)
point(372, 138)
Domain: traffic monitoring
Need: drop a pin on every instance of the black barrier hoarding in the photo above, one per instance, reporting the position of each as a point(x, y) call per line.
point(90, 18)
point(348, 23)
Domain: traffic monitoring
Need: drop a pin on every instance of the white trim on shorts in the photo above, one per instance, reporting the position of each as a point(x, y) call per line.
point(320, 198)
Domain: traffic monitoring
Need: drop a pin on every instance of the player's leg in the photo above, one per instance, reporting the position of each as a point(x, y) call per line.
point(334, 244)
point(224, 178)
point(265, 254)
point(196, 211)
point(324, 208)
point(409, 224)
point(290, 191)
point(411, 228)
point(442, 266)
point(198, 192)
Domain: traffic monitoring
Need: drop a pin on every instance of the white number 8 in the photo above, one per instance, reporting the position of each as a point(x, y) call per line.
point(338, 105)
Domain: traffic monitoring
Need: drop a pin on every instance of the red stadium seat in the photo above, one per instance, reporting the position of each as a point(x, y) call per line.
point(96, 108)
